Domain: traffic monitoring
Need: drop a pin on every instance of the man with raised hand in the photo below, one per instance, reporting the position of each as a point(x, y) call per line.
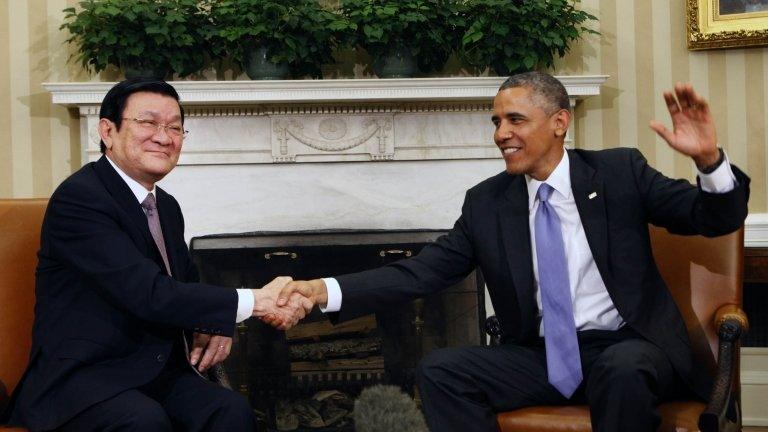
point(562, 240)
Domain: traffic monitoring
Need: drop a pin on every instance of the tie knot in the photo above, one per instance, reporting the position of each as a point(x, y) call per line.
point(149, 202)
point(545, 191)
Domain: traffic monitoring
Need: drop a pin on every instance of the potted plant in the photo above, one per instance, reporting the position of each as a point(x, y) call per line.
point(398, 34)
point(142, 37)
point(515, 35)
point(274, 38)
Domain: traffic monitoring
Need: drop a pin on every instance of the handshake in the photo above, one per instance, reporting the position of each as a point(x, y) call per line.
point(284, 301)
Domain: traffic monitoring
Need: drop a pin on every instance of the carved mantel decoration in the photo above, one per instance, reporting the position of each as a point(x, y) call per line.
point(246, 122)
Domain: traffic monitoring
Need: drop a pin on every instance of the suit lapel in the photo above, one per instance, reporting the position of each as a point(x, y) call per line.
point(124, 197)
point(589, 193)
point(513, 218)
point(127, 201)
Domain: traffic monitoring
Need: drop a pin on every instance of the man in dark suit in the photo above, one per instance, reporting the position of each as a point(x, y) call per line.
point(562, 240)
point(116, 288)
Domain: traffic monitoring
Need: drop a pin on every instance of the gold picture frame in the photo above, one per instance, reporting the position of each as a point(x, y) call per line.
point(727, 23)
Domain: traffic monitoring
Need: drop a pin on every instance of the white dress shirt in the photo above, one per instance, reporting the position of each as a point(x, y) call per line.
point(245, 298)
point(592, 306)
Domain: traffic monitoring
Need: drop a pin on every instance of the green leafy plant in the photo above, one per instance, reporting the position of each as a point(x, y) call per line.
point(301, 33)
point(140, 34)
point(428, 29)
point(519, 35)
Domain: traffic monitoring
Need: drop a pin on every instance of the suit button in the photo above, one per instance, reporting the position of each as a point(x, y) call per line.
point(160, 358)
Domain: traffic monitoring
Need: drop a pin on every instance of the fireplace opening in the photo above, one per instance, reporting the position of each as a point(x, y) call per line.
point(308, 377)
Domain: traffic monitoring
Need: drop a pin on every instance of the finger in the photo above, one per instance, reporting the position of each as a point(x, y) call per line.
point(224, 345)
point(295, 308)
point(700, 103)
point(662, 131)
point(205, 362)
point(683, 93)
point(286, 293)
point(272, 319)
point(307, 304)
point(199, 341)
point(671, 102)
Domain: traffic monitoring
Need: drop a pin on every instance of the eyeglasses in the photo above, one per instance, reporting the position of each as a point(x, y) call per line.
point(152, 126)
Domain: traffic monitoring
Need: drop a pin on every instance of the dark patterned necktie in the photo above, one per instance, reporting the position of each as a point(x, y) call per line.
point(150, 206)
point(562, 346)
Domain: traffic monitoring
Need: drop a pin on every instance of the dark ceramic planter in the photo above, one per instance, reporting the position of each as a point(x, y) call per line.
point(258, 66)
point(398, 64)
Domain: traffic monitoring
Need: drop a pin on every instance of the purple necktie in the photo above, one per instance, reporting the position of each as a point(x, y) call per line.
point(150, 206)
point(563, 361)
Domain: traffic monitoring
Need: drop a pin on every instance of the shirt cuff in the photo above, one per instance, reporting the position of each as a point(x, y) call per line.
point(334, 295)
point(244, 305)
point(721, 180)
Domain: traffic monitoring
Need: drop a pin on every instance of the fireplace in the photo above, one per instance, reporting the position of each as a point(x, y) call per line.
point(306, 378)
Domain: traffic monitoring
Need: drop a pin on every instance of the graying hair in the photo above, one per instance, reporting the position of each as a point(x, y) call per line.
point(547, 92)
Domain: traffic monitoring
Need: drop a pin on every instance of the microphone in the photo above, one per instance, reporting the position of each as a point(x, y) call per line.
point(385, 408)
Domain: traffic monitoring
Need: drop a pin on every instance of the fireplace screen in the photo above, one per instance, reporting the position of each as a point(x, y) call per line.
point(307, 378)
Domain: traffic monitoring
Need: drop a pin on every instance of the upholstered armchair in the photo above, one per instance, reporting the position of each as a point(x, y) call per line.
point(20, 223)
point(705, 277)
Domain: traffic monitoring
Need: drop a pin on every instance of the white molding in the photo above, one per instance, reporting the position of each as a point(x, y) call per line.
point(756, 230)
point(323, 91)
point(754, 385)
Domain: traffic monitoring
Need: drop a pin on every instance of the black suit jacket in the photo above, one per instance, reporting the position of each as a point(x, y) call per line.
point(493, 233)
point(107, 313)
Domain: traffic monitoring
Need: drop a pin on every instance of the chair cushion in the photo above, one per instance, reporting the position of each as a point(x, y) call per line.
point(676, 417)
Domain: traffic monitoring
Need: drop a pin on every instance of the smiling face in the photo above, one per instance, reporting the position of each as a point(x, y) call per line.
point(530, 139)
point(145, 153)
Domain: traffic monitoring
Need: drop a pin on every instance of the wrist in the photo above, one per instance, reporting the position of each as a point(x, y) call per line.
point(319, 292)
point(259, 305)
point(708, 163)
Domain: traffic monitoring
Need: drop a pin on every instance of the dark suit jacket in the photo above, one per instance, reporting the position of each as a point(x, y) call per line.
point(107, 313)
point(493, 233)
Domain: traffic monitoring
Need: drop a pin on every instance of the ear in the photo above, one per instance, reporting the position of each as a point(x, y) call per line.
point(561, 119)
point(106, 129)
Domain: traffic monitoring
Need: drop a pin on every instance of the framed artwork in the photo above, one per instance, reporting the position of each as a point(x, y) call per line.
point(727, 23)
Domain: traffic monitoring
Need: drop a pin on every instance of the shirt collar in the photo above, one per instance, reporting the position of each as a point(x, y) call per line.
point(559, 179)
point(138, 190)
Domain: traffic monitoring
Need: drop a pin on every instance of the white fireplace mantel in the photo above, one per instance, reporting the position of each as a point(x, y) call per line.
point(345, 120)
point(325, 91)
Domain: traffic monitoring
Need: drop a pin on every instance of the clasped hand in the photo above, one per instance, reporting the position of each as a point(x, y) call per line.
point(283, 302)
point(284, 315)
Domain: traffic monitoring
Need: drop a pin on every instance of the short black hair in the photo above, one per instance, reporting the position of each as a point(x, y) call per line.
point(113, 105)
point(547, 92)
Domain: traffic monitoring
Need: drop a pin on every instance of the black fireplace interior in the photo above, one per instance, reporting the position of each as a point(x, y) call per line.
point(307, 378)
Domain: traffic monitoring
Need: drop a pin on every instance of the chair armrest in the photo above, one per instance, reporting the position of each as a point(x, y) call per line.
point(493, 329)
point(723, 411)
point(731, 312)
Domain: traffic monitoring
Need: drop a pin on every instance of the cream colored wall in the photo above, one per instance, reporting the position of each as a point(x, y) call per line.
point(37, 147)
point(642, 48)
